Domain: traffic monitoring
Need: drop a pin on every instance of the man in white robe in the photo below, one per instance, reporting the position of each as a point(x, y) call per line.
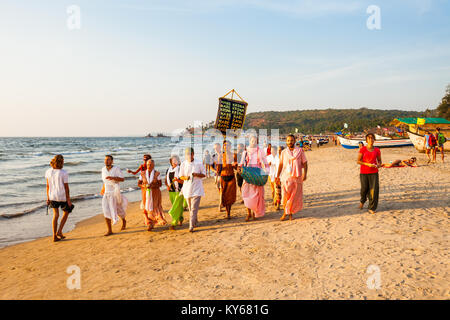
point(114, 204)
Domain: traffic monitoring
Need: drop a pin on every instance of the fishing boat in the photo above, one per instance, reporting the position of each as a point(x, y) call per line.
point(417, 131)
point(389, 143)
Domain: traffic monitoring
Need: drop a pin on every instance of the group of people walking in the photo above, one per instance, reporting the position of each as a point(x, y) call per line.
point(285, 168)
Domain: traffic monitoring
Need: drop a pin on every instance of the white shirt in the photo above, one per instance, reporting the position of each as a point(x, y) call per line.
point(114, 172)
point(274, 162)
point(56, 179)
point(194, 186)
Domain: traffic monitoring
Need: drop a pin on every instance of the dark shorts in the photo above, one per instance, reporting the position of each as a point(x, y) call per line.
point(239, 180)
point(61, 204)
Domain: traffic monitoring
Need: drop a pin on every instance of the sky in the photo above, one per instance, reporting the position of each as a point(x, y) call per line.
point(134, 67)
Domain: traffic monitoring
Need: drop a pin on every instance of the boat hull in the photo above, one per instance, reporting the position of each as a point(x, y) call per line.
point(391, 143)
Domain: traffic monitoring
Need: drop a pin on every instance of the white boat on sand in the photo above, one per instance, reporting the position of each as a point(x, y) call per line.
point(389, 143)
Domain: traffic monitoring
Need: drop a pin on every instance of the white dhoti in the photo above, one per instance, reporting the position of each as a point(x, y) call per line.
point(114, 206)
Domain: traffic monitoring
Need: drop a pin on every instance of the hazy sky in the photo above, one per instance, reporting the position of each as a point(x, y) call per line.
point(144, 66)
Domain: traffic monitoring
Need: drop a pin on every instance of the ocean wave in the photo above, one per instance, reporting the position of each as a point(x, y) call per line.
point(77, 198)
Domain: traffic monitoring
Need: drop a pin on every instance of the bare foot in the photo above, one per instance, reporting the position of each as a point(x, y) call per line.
point(124, 225)
point(56, 239)
point(290, 217)
point(248, 217)
point(150, 227)
point(108, 233)
point(283, 217)
point(361, 205)
point(61, 236)
point(172, 228)
point(180, 223)
point(371, 211)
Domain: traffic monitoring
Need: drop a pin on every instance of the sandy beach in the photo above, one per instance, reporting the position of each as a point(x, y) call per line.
point(323, 253)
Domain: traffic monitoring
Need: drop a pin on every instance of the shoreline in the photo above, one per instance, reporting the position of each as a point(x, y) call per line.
point(323, 253)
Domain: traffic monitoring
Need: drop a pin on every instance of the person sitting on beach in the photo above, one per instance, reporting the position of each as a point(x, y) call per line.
point(114, 204)
point(411, 162)
point(292, 171)
point(369, 158)
point(192, 173)
point(142, 168)
point(153, 205)
point(58, 195)
point(227, 177)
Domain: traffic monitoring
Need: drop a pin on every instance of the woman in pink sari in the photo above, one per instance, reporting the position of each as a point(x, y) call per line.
point(254, 195)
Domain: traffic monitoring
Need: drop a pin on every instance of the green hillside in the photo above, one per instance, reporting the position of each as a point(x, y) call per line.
point(317, 121)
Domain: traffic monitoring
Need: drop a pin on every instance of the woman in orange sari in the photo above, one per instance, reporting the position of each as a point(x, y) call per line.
point(227, 177)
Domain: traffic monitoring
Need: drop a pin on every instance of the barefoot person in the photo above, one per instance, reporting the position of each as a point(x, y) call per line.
point(239, 179)
point(58, 195)
point(192, 173)
point(174, 185)
point(273, 161)
point(369, 158)
point(430, 146)
point(440, 139)
point(227, 177)
point(142, 168)
point(292, 171)
point(253, 195)
point(114, 204)
point(153, 204)
point(216, 161)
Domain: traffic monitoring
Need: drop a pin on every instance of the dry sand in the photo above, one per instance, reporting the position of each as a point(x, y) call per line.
point(323, 254)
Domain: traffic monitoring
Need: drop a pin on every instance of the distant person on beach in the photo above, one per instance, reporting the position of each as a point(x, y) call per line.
point(239, 179)
point(142, 168)
point(369, 158)
point(360, 145)
point(227, 177)
point(292, 171)
point(411, 162)
point(192, 173)
point(441, 139)
point(174, 185)
point(114, 204)
point(430, 146)
point(207, 161)
point(269, 149)
point(273, 161)
point(217, 160)
point(278, 193)
point(153, 205)
point(58, 195)
point(253, 195)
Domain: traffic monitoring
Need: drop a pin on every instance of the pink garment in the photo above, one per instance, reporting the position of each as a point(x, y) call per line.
point(292, 180)
point(254, 195)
